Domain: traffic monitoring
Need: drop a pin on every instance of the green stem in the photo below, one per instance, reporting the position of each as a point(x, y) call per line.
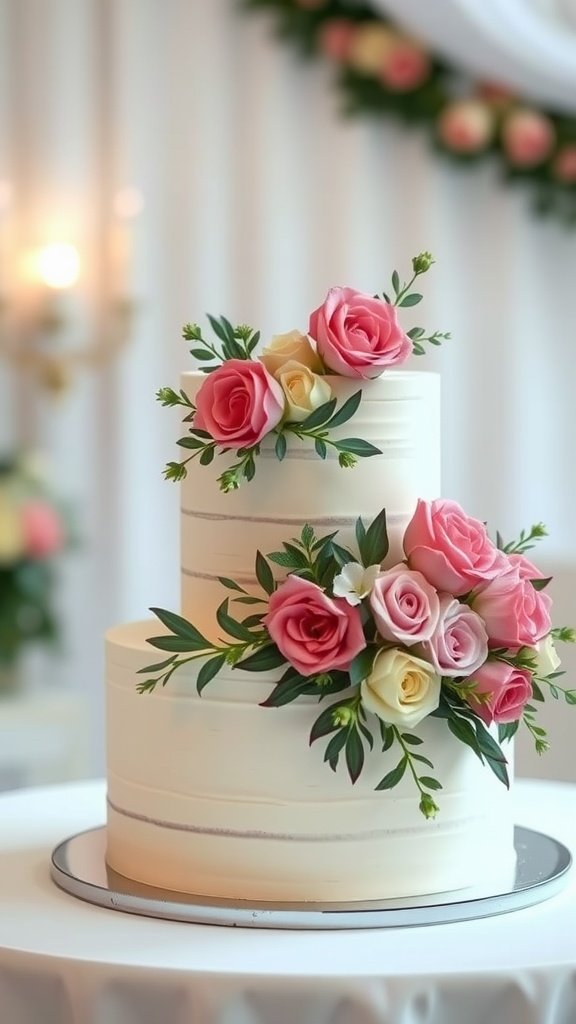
point(406, 288)
point(408, 756)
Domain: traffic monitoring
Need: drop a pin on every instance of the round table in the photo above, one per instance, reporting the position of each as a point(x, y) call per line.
point(63, 961)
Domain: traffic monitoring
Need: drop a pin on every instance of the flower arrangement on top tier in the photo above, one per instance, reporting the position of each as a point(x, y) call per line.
point(459, 630)
point(33, 533)
point(286, 390)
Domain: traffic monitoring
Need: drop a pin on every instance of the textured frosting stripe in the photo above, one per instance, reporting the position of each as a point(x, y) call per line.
point(217, 517)
point(279, 836)
point(239, 578)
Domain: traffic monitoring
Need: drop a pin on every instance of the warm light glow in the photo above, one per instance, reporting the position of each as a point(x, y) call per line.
point(5, 196)
point(58, 265)
point(128, 203)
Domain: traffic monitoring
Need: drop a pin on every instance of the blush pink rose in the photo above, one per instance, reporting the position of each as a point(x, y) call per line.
point(239, 403)
point(459, 644)
point(357, 335)
point(314, 632)
point(526, 568)
point(405, 67)
point(466, 126)
point(450, 548)
point(515, 613)
point(404, 605)
point(335, 38)
point(509, 690)
point(42, 529)
point(527, 137)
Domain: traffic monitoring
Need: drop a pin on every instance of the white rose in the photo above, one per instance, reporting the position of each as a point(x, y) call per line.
point(304, 390)
point(291, 346)
point(401, 689)
point(547, 660)
point(355, 582)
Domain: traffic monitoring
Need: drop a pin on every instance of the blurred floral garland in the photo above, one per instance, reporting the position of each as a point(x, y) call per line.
point(383, 71)
point(34, 531)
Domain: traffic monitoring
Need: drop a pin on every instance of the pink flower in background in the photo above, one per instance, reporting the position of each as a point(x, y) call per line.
point(515, 613)
point(527, 137)
point(564, 166)
point(451, 549)
point(357, 335)
point(405, 67)
point(459, 644)
point(314, 632)
point(335, 38)
point(239, 403)
point(404, 605)
point(466, 126)
point(42, 529)
point(509, 690)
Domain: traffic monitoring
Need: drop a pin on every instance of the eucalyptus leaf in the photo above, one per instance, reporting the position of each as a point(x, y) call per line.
point(411, 300)
point(354, 754)
point(346, 411)
point(319, 416)
point(280, 447)
point(264, 574)
point(231, 626)
point(356, 446)
point(361, 666)
point(181, 628)
point(393, 778)
point(155, 668)
point(209, 669)
point(262, 660)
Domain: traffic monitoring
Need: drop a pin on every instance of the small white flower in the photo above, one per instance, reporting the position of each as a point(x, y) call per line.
point(355, 582)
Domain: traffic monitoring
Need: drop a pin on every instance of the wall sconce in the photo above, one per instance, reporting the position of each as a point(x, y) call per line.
point(31, 332)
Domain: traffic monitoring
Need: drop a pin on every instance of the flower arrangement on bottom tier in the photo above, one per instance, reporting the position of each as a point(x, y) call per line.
point(459, 630)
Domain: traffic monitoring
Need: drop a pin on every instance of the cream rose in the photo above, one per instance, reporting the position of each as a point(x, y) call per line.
point(401, 689)
point(12, 541)
point(291, 346)
point(304, 391)
point(547, 660)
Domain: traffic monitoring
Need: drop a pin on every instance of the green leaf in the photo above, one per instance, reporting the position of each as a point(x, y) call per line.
point(307, 536)
point(324, 723)
point(280, 447)
point(230, 625)
point(356, 446)
point(393, 778)
point(248, 600)
point(231, 584)
point(262, 660)
point(375, 544)
point(291, 686)
point(366, 733)
point(207, 456)
point(396, 281)
point(487, 744)
point(361, 666)
point(209, 669)
point(334, 748)
point(283, 559)
point(320, 447)
point(463, 731)
point(181, 628)
point(320, 416)
point(191, 442)
point(297, 557)
point(411, 300)
point(264, 574)
point(155, 668)
point(387, 734)
point(507, 731)
point(429, 782)
point(415, 333)
point(422, 760)
point(360, 530)
point(340, 554)
point(411, 739)
point(202, 354)
point(354, 754)
point(540, 584)
point(175, 644)
point(346, 411)
point(570, 696)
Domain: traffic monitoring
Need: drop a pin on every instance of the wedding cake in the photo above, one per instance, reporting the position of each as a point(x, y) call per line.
point(310, 614)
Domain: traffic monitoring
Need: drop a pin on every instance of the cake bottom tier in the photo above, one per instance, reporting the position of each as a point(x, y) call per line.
point(217, 796)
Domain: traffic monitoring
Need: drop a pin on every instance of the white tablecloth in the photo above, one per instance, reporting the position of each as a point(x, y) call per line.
point(66, 962)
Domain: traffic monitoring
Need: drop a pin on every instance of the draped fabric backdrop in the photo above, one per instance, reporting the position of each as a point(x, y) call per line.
point(258, 197)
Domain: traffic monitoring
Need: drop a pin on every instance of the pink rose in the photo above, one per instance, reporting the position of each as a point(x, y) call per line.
point(42, 529)
point(405, 67)
point(466, 126)
point(239, 403)
point(451, 549)
point(314, 632)
point(526, 568)
point(459, 644)
point(335, 38)
point(527, 137)
point(357, 335)
point(509, 688)
point(404, 605)
point(564, 167)
point(514, 612)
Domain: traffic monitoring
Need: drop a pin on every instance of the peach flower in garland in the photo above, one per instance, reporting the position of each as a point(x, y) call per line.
point(239, 403)
point(358, 335)
point(405, 67)
point(528, 138)
point(335, 38)
point(314, 632)
point(564, 165)
point(466, 126)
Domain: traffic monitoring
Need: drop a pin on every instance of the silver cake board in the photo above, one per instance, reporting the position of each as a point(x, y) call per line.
point(79, 867)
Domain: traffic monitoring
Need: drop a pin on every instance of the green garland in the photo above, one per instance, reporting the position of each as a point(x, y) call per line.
point(381, 71)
